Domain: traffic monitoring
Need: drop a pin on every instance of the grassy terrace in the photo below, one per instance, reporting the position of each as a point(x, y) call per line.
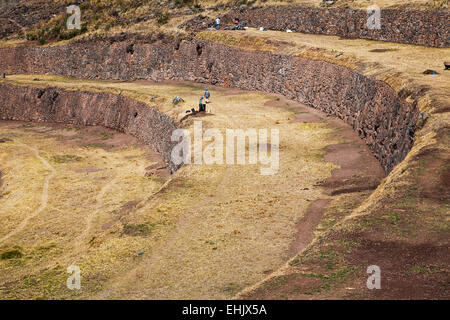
point(400, 65)
point(212, 231)
point(218, 231)
point(408, 213)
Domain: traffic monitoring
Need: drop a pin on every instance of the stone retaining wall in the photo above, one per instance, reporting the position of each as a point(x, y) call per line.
point(385, 121)
point(419, 27)
point(90, 108)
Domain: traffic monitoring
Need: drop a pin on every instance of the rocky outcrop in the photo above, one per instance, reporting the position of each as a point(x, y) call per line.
point(385, 121)
point(90, 108)
point(419, 27)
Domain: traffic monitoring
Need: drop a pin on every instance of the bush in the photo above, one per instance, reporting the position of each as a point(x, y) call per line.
point(11, 254)
point(162, 18)
point(65, 158)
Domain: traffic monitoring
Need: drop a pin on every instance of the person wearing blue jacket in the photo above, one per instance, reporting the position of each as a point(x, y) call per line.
point(207, 95)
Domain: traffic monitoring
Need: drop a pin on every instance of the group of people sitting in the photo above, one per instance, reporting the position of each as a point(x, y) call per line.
point(236, 21)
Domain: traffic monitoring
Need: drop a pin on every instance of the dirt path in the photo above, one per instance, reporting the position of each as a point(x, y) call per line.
point(99, 204)
point(351, 161)
point(217, 229)
point(44, 196)
point(307, 225)
point(358, 171)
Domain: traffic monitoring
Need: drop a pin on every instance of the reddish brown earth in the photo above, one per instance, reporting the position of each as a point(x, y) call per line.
point(406, 235)
point(95, 137)
point(307, 225)
point(359, 170)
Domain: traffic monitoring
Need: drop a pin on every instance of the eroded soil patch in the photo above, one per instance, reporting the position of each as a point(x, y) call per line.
point(207, 229)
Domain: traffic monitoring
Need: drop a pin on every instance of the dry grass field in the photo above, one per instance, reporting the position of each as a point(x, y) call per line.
point(80, 196)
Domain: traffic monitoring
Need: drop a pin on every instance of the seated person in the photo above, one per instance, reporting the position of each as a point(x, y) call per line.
point(201, 105)
point(237, 24)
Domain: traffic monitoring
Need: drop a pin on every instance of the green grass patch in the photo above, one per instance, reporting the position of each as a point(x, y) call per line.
point(276, 283)
point(294, 262)
point(11, 254)
point(163, 18)
point(428, 269)
point(95, 145)
point(330, 258)
point(328, 281)
point(394, 218)
point(136, 229)
point(66, 158)
point(231, 288)
point(28, 126)
point(47, 247)
point(104, 135)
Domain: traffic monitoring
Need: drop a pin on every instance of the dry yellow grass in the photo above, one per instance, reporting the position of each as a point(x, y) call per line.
point(205, 203)
point(80, 174)
point(264, 41)
point(399, 65)
point(213, 230)
point(138, 90)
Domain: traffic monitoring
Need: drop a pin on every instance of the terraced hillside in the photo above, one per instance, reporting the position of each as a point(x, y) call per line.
point(87, 177)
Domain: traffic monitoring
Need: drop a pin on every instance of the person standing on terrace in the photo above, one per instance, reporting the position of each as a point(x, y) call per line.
point(218, 23)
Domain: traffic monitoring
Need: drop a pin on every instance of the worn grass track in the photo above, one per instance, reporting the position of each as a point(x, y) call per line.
point(208, 233)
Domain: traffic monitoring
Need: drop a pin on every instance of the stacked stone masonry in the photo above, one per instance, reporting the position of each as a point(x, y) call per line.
point(90, 108)
point(419, 27)
point(375, 111)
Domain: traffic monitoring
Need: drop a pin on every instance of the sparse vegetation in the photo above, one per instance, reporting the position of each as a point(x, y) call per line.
point(65, 158)
point(11, 254)
point(104, 135)
point(406, 216)
point(162, 18)
point(136, 230)
point(328, 281)
point(54, 30)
